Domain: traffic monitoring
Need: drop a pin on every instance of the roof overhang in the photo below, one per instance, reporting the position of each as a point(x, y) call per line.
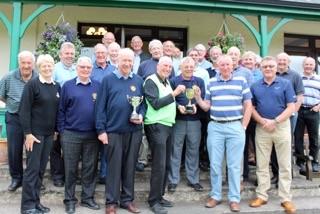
point(303, 9)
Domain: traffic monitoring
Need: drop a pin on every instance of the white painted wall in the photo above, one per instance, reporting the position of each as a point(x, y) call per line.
point(201, 26)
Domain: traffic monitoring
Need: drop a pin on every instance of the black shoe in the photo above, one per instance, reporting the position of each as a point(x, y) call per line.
point(302, 168)
point(70, 208)
point(274, 179)
point(42, 208)
point(14, 185)
point(158, 209)
point(58, 183)
point(197, 187)
point(91, 204)
point(172, 187)
point(315, 167)
point(31, 211)
point(139, 167)
point(102, 180)
point(166, 203)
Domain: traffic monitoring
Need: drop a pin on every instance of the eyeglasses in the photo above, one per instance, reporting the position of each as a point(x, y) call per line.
point(84, 67)
point(267, 66)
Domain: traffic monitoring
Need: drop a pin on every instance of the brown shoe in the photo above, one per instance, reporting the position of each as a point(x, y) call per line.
point(131, 207)
point(289, 207)
point(211, 203)
point(234, 206)
point(257, 202)
point(111, 209)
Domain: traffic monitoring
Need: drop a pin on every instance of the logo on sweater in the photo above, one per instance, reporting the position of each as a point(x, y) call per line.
point(94, 96)
point(133, 88)
point(57, 95)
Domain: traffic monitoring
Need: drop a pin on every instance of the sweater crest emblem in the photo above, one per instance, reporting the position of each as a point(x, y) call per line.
point(94, 96)
point(133, 88)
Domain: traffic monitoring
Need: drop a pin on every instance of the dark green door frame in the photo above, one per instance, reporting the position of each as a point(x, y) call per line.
point(16, 28)
point(262, 37)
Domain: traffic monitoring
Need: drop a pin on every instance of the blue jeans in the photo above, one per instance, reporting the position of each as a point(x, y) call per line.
point(230, 138)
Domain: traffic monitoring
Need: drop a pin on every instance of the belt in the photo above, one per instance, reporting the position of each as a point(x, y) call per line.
point(225, 121)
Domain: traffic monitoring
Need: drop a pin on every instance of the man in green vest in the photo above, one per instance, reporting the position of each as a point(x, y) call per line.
point(159, 119)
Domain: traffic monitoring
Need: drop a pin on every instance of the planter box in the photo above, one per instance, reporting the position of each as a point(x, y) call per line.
point(3, 151)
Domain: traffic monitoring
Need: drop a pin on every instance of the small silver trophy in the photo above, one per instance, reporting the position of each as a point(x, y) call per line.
point(190, 96)
point(135, 102)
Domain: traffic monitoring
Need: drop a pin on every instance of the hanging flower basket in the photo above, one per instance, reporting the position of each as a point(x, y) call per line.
point(224, 39)
point(54, 36)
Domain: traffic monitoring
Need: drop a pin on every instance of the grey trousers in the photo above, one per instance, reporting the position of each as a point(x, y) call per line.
point(189, 132)
point(87, 149)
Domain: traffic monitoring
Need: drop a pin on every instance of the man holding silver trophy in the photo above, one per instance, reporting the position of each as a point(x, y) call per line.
point(187, 127)
point(119, 117)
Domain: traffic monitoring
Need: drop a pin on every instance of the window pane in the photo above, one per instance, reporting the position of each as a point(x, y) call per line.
point(317, 43)
point(170, 34)
point(296, 42)
point(130, 32)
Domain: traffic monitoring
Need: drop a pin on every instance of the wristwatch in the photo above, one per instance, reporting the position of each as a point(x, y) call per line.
point(277, 120)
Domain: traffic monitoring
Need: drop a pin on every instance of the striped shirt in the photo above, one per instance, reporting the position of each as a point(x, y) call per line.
point(311, 95)
point(11, 87)
point(227, 97)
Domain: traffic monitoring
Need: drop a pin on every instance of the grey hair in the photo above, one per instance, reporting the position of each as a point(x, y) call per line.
point(100, 45)
point(114, 45)
point(186, 60)
point(200, 47)
point(215, 48)
point(165, 59)
point(84, 58)
point(126, 51)
point(155, 42)
point(66, 45)
point(23, 54)
point(249, 54)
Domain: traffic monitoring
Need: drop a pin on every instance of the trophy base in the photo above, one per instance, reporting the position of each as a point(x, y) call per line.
point(189, 110)
point(134, 117)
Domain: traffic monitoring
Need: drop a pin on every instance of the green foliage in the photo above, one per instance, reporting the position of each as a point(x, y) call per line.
point(225, 41)
point(54, 36)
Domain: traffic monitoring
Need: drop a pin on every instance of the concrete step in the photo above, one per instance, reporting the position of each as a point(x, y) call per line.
point(305, 205)
point(300, 188)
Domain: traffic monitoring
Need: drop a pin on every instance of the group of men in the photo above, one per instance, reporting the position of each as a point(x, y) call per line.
point(205, 105)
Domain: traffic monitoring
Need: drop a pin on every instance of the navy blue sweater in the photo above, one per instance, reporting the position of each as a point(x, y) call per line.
point(77, 106)
point(181, 99)
point(113, 110)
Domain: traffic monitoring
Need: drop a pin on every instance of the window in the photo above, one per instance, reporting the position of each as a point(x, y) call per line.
point(300, 46)
point(124, 33)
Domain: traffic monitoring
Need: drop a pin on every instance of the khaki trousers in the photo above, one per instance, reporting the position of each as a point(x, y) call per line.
point(281, 138)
